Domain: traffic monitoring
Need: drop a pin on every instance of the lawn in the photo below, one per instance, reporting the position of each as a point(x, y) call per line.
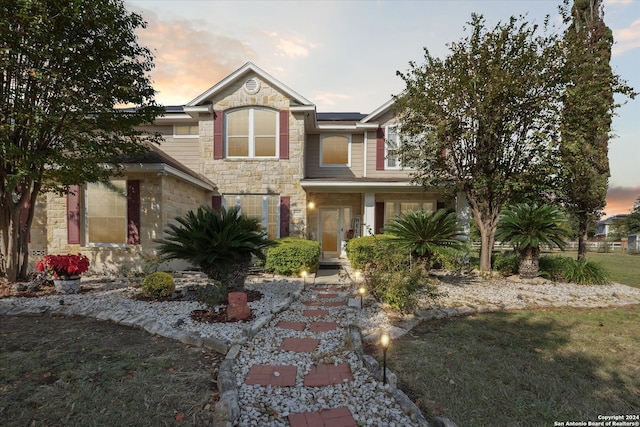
point(523, 368)
point(622, 268)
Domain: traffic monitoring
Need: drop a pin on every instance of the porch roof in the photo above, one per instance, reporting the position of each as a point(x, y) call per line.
point(360, 184)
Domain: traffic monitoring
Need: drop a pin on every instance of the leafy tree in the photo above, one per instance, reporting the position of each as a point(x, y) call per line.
point(633, 220)
point(65, 66)
point(586, 117)
point(222, 243)
point(527, 227)
point(421, 232)
point(484, 119)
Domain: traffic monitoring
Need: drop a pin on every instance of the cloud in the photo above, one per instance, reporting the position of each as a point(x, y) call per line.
point(325, 99)
point(290, 46)
point(620, 200)
point(626, 38)
point(188, 60)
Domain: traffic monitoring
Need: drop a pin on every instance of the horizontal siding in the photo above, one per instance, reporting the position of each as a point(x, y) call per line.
point(371, 162)
point(184, 150)
point(314, 170)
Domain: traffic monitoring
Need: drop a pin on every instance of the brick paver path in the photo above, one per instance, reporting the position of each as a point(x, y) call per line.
point(323, 326)
point(264, 375)
point(315, 313)
point(320, 375)
point(323, 375)
point(300, 345)
point(339, 417)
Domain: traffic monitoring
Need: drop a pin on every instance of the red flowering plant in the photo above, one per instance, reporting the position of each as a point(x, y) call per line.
point(63, 265)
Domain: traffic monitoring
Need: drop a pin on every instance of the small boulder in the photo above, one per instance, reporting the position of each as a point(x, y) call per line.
point(238, 309)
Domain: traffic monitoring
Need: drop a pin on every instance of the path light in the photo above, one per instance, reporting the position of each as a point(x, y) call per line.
point(385, 340)
point(361, 291)
point(304, 274)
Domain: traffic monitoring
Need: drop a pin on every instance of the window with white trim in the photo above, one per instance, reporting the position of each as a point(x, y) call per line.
point(186, 131)
point(252, 132)
point(393, 142)
point(335, 150)
point(264, 208)
point(106, 213)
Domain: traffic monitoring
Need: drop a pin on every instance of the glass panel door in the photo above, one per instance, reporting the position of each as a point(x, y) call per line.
point(329, 230)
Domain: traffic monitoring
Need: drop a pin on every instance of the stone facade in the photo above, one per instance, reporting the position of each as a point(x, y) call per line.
point(162, 198)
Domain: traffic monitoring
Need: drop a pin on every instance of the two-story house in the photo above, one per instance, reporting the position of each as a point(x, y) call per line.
point(248, 141)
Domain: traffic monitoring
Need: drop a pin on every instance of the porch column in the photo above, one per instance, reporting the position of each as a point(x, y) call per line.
point(463, 212)
point(369, 220)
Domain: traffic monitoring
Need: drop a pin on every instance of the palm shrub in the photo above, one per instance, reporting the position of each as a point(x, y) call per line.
point(527, 227)
point(222, 243)
point(421, 232)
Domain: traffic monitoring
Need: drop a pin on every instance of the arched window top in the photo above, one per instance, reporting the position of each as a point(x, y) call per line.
point(252, 132)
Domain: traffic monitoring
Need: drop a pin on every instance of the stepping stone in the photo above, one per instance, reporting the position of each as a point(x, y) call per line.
point(299, 345)
point(335, 303)
point(324, 375)
point(275, 375)
point(312, 303)
point(339, 417)
point(323, 326)
point(327, 295)
point(315, 313)
point(294, 326)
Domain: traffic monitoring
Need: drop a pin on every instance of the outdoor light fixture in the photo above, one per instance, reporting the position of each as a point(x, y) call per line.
point(304, 273)
point(311, 205)
point(385, 340)
point(361, 291)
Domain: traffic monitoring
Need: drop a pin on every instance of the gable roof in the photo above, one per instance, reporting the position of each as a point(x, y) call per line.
point(239, 73)
point(384, 108)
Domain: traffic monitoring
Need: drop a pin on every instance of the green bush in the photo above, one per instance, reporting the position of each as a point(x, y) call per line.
point(584, 272)
point(211, 295)
point(363, 250)
point(158, 285)
point(552, 267)
point(451, 259)
point(291, 255)
point(393, 280)
point(506, 263)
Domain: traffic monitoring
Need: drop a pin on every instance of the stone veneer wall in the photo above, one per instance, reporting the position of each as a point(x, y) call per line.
point(162, 198)
point(268, 176)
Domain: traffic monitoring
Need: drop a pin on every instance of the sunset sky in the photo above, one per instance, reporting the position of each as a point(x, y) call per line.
point(343, 55)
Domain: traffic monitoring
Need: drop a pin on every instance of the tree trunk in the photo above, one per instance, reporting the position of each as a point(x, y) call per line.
point(487, 221)
point(582, 238)
point(529, 263)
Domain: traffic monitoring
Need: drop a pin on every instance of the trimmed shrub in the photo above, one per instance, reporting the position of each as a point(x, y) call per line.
point(451, 259)
point(158, 285)
point(291, 255)
point(392, 280)
point(366, 249)
point(552, 267)
point(506, 263)
point(211, 295)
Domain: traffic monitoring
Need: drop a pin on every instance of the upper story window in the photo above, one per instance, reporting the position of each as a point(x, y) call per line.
point(252, 132)
point(185, 131)
point(335, 150)
point(393, 142)
point(106, 213)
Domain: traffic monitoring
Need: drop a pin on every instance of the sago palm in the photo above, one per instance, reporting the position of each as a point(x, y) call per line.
point(527, 227)
point(221, 243)
point(421, 232)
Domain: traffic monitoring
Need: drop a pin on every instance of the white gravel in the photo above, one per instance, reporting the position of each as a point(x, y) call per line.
point(368, 400)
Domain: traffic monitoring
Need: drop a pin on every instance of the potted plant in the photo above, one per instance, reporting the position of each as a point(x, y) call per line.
point(66, 270)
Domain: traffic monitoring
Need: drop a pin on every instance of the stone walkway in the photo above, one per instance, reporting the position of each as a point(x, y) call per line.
point(303, 369)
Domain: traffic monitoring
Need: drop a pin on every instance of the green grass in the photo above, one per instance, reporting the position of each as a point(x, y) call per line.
point(523, 368)
point(622, 268)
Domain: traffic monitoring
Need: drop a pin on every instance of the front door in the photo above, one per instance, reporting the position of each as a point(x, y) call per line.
point(334, 224)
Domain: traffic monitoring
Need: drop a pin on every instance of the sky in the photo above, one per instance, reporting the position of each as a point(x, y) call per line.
point(344, 55)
